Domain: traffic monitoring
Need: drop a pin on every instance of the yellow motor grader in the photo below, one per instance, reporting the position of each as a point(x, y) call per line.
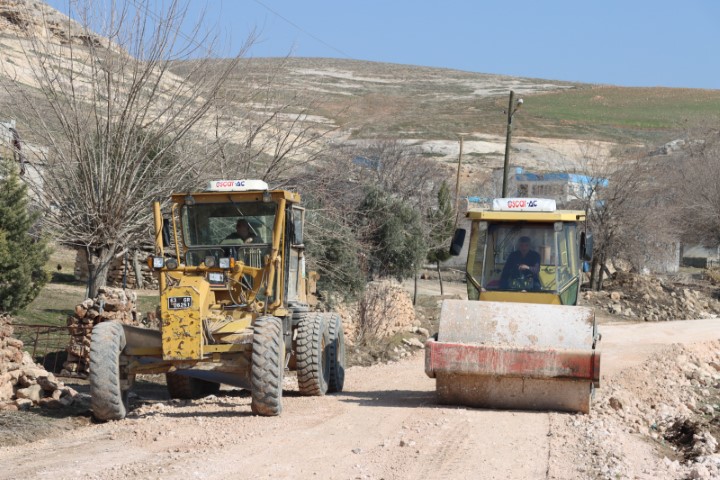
point(520, 341)
point(233, 304)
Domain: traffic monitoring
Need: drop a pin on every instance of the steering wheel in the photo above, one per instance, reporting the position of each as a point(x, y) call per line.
point(524, 280)
point(525, 273)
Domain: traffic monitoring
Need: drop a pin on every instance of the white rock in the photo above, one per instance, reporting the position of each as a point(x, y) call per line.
point(33, 392)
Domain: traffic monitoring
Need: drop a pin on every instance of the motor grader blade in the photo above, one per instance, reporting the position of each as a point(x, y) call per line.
point(515, 356)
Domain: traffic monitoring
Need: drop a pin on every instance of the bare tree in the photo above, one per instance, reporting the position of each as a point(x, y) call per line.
point(623, 199)
point(400, 169)
point(121, 129)
point(696, 187)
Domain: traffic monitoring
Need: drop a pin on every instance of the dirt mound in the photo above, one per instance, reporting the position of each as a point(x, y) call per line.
point(384, 310)
point(672, 401)
point(654, 298)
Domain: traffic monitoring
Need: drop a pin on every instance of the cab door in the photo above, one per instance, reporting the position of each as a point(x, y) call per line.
point(296, 256)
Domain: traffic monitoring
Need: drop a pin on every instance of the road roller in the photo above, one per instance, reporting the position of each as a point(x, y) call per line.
point(519, 341)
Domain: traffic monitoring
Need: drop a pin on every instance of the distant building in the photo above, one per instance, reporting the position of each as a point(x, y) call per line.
point(700, 256)
point(561, 187)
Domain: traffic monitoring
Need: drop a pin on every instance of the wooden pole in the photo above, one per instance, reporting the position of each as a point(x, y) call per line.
point(457, 185)
point(506, 163)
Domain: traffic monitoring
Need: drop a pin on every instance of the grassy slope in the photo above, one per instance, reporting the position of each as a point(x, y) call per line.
point(621, 114)
point(376, 99)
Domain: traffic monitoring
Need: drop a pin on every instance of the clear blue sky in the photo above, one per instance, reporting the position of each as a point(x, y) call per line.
point(628, 43)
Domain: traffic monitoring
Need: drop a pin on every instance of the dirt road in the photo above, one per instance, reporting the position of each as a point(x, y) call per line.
point(385, 425)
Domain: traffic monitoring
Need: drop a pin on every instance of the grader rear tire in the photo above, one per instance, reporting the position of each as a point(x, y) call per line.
point(108, 400)
point(336, 355)
point(266, 372)
point(313, 363)
point(189, 388)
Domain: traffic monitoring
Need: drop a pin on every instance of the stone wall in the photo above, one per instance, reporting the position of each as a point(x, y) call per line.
point(111, 304)
point(23, 383)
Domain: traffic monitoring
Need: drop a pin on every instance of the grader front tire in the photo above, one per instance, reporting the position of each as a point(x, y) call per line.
point(268, 355)
point(108, 399)
point(313, 363)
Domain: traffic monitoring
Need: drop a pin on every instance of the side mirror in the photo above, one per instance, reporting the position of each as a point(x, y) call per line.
point(457, 242)
point(586, 246)
point(166, 229)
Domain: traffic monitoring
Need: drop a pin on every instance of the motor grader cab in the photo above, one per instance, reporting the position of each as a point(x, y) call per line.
point(233, 304)
point(519, 341)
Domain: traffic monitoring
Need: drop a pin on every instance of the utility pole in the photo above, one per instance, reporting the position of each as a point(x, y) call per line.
point(512, 108)
point(457, 184)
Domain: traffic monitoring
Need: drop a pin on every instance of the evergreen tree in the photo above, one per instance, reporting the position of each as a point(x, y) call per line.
point(22, 257)
point(334, 252)
point(397, 237)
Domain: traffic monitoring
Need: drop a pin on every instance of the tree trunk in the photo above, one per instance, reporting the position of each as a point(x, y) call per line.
point(593, 275)
point(442, 292)
point(415, 289)
point(139, 280)
point(98, 269)
point(601, 273)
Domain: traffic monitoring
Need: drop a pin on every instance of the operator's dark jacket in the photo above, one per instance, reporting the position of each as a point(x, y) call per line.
point(514, 260)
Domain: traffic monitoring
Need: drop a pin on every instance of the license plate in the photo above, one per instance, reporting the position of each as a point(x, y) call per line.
point(179, 303)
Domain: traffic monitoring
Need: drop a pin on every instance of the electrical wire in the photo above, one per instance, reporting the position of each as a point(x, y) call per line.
point(298, 27)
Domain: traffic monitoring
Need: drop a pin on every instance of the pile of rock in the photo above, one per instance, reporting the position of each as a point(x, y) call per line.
point(111, 304)
point(670, 402)
point(384, 310)
point(24, 384)
point(652, 299)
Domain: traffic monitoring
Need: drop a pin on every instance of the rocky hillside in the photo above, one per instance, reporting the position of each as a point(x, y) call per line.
point(23, 22)
point(430, 108)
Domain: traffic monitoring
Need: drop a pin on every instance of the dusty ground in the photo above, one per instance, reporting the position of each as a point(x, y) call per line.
point(385, 425)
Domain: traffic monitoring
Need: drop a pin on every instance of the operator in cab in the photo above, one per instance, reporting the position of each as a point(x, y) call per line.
point(522, 268)
point(243, 232)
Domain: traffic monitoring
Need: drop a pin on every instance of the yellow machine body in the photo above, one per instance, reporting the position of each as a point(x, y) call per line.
point(233, 306)
point(202, 317)
point(519, 341)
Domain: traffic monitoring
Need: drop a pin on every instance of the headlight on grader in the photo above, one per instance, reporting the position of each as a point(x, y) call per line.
point(227, 263)
point(209, 261)
point(171, 263)
point(155, 263)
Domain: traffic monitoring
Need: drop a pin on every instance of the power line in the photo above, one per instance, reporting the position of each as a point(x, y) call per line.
point(298, 27)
